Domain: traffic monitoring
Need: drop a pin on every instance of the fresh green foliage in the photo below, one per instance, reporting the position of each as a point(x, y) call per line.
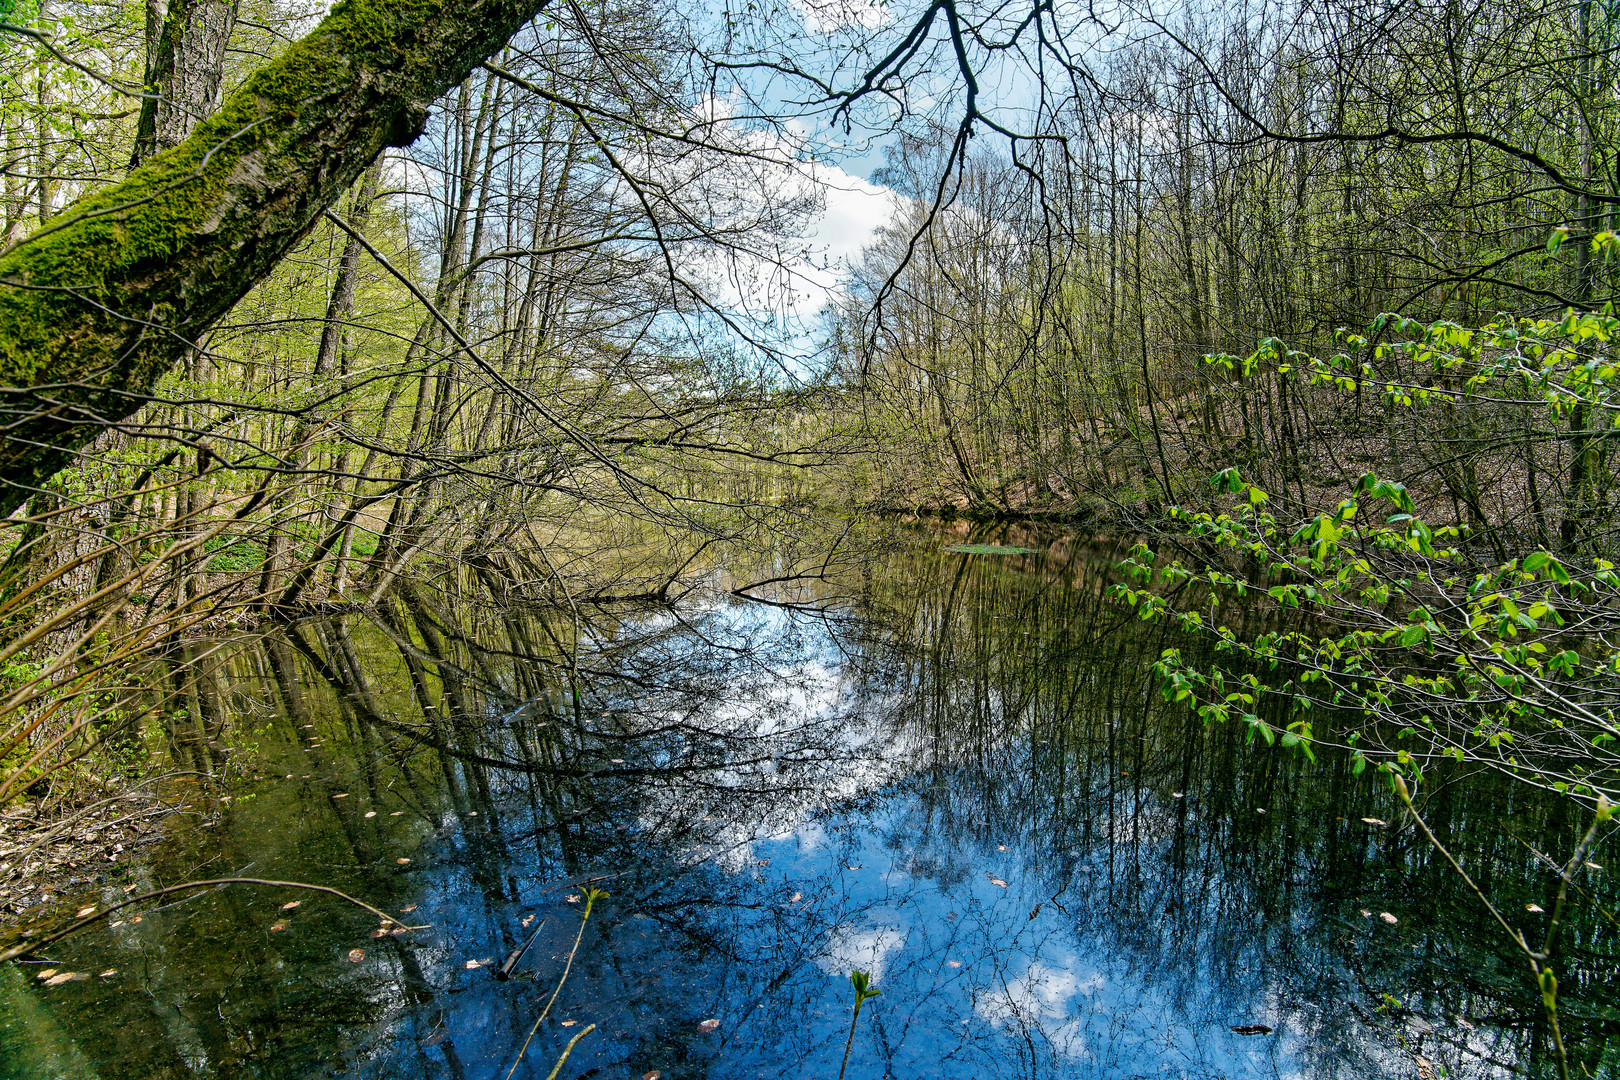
point(860, 981)
point(1378, 616)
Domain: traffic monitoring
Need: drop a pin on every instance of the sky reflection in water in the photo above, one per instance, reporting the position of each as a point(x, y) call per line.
point(960, 781)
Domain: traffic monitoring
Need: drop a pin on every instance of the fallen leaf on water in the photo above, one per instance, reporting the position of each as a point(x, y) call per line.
point(1252, 1029)
point(47, 973)
point(381, 931)
point(371, 813)
point(277, 926)
point(65, 977)
point(573, 898)
point(397, 813)
point(399, 931)
point(471, 964)
point(1175, 794)
point(527, 919)
point(115, 924)
point(1374, 821)
point(1593, 866)
point(1387, 917)
point(341, 795)
point(356, 955)
point(135, 919)
point(407, 909)
point(796, 897)
point(569, 1023)
point(130, 888)
point(764, 862)
point(996, 881)
point(857, 866)
point(1365, 914)
point(109, 973)
point(472, 813)
point(89, 909)
point(1464, 1022)
point(708, 1025)
point(953, 963)
point(1535, 908)
point(289, 905)
point(654, 1075)
point(1001, 847)
point(402, 862)
point(617, 760)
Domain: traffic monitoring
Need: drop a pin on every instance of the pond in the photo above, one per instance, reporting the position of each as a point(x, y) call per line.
point(951, 770)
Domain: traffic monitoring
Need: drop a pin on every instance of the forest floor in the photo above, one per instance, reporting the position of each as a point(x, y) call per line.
point(71, 848)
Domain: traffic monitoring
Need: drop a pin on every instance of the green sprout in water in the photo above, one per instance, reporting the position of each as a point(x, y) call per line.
point(859, 980)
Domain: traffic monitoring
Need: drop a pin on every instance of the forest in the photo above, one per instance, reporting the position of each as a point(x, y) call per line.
point(561, 319)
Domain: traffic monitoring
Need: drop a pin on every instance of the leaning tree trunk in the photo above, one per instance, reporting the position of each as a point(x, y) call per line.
point(98, 304)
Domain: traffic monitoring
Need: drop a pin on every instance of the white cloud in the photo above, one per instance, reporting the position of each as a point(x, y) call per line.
point(826, 16)
point(851, 949)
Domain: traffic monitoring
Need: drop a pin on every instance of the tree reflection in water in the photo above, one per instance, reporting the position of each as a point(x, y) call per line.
point(961, 779)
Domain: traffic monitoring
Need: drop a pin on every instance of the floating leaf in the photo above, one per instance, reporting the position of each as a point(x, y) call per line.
point(573, 898)
point(403, 862)
point(708, 1025)
point(356, 955)
point(371, 813)
point(341, 795)
point(857, 866)
point(617, 760)
point(407, 909)
point(397, 813)
point(1535, 909)
point(109, 973)
point(275, 926)
point(569, 1023)
point(1252, 1029)
point(289, 905)
point(381, 931)
point(1374, 821)
point(1387, 917)
point(47, 973)
point(88, 909)
point(953, 963)
point(65, 977)
point(996, 881)
point(473, 964)
point(796, 897)
point(1001, 847)
point(527, 919)
point(654, 1075)
point(988, 549)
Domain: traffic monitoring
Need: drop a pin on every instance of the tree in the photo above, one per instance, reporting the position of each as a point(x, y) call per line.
point(95, 307)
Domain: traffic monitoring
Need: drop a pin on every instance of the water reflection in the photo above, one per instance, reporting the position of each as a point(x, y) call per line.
point(960, 780)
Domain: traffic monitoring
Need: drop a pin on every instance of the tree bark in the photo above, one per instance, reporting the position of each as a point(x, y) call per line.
point(185, 70)
point(97, 305)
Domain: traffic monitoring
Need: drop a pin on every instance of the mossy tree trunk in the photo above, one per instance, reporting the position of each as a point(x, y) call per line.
point(98, 304)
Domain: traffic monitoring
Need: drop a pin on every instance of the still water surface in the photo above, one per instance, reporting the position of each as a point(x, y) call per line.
point(955, 774)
